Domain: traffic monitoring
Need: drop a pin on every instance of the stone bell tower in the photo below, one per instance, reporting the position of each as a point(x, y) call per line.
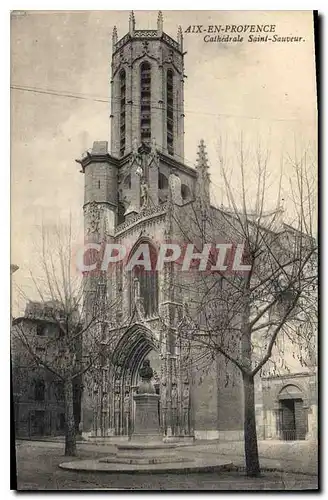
point(147, 90)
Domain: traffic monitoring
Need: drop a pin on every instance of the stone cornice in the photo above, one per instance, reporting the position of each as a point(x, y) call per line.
point(175, 164)
point(289, 376)
point(97, 158)
point(148, 35)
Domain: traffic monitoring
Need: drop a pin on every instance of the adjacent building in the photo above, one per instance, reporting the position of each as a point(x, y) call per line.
point(38, 395)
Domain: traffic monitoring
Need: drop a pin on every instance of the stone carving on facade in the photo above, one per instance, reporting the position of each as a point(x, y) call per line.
point(145, 33)
point(175, 189)
point(126, 404)
point(93, 218)
point(145, 46)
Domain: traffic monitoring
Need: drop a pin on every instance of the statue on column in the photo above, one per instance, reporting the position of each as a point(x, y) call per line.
point(146, 373)
point(126, 411)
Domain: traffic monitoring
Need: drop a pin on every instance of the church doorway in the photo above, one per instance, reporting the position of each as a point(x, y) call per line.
point(137, 345)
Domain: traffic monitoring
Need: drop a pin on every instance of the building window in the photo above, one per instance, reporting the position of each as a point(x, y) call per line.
point(39, 390)
point(145, 102)
point(61, 422)
point(122, 111)
point(169, 111)
point(127, 182)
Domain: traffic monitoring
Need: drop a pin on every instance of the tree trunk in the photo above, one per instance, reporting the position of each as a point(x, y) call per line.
point(250, 436)
point(70, 437)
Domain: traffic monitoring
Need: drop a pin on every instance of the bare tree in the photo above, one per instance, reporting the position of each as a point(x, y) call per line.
point(74, 317)
point(240, 314)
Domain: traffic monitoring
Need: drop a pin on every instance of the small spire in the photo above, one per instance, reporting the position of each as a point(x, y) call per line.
point(203, 177)
point(180, 38)
point(132, 23)
point(160, 22)
point(114, 37)
point(202, 156)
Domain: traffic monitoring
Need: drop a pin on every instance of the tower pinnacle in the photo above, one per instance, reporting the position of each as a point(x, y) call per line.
point(132, 23)
point(180, 38)
point(203, 176)
point(114, 37)
point(160, 23)
point(202, 156)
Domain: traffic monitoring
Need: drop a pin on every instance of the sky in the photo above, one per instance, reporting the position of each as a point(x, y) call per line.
point(264, 91)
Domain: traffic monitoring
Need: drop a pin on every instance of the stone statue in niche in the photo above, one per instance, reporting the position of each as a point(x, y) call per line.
point(144, 188)
point(126, 411)
point(126, 403)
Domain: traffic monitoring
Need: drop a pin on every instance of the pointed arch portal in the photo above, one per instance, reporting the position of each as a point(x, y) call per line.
point(134, 347)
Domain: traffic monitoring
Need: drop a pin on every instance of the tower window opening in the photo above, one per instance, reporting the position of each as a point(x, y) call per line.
point(145, 100)
point(169, 111)
point(122, 111)
point(163, 182)
point(185, 192)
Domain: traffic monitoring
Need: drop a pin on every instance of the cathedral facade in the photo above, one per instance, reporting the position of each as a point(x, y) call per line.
point(139, 191)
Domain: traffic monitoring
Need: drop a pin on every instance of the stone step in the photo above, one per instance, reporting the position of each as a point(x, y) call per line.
point(135, 460)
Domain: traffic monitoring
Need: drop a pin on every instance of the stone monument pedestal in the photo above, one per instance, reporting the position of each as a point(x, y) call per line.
point(146, 425)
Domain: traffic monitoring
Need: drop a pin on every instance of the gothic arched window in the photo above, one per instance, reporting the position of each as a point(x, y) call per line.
point(145, 102)
point(147, 284)
point(169, 111)
point(122, 111)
